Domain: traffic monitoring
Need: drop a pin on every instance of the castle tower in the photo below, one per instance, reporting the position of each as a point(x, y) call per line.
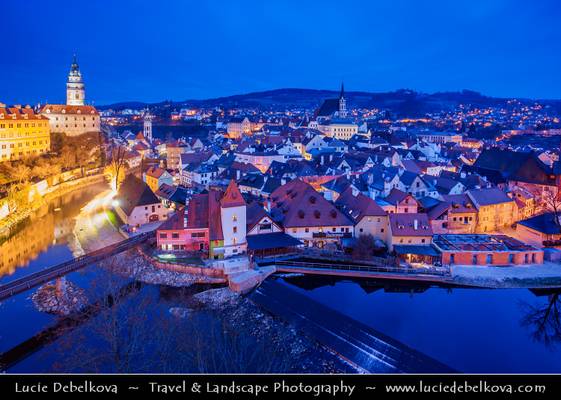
point(342, 103)
point(147, 131)
point(233, 218)
point(75, 89)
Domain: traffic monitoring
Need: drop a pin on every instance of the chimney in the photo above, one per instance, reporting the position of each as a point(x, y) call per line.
point(238, 174)
point(268, 205)
point(415, 224)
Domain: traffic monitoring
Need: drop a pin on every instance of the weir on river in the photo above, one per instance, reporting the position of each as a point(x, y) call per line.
point(365, 348)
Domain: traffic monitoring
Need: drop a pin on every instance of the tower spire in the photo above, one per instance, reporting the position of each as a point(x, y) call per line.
point(342, 103)
point(75, 90)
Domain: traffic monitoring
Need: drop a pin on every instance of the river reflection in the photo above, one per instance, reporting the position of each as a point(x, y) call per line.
point(47, 234)
point(471, 330)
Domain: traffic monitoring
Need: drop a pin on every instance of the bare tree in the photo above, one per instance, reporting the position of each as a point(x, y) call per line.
point(545, 321)
point(116, 166)
point(552, 202)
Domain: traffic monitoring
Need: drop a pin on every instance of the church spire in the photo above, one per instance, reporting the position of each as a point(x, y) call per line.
point(342, 102)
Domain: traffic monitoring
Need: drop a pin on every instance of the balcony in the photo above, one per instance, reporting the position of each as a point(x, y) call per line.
point(331, 235)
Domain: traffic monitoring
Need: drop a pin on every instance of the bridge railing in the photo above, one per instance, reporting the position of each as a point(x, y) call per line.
point(47, 274)
point(364, 268)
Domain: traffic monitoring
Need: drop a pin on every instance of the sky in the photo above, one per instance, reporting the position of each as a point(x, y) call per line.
point(184, 49)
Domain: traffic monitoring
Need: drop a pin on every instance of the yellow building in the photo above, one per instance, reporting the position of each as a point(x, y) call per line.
point(495, 210)
point(339, 129)
point(23, 133)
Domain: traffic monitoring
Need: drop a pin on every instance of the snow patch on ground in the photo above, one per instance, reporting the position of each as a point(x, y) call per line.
point(548, 274)
point(217, 298)
point(133, 265)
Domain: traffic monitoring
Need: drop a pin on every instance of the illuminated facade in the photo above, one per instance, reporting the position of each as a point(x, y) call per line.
point(73, 118)
point(75, 89)
point(23, 133)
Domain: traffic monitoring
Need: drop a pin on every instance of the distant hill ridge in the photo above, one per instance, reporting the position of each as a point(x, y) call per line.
point(402, 102)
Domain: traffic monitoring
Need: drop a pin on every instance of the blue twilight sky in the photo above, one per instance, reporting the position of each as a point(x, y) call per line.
point(186, 49)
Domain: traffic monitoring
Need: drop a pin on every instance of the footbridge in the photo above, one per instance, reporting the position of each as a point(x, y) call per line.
point(38, 278)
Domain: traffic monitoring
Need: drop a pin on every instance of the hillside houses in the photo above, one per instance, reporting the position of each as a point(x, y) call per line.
point(326, 179)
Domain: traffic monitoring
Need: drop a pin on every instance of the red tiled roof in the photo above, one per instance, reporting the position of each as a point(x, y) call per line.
point(232, 197)
point(297, 204)
point(175, 222)
point(404, 224)
point(59, 108)
point(214, 216)
point(18, 113)
point(197, 212)
point(397, 196)
point(155, 172)
point(359, 206)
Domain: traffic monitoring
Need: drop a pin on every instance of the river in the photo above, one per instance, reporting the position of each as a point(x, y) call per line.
point(471, 330)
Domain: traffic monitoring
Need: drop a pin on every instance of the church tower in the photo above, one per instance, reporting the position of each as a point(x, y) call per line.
point(147, 131)
point(75, 89)
point(342, 103)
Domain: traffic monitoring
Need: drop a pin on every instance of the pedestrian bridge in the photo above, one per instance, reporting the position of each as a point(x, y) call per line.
point(48, 274)
point(375, 270)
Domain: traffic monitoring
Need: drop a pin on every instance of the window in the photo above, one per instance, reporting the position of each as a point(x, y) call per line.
point(452, 259)
point(163, 235)
point(235, 229)
point(175, 235)
point(234, 218)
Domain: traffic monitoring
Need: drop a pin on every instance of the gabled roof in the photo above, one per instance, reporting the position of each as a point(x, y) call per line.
point(63, 108)
point(297, 204)
point(328, 108)
point(359, 206)
point(544, 223)
point(133, 192)
point(397, 196)
point(271, 184)
point(232, 197)
point(155, 172)
point(510, 165)
point(404, 224)
point(174, 222)
point(488, 196)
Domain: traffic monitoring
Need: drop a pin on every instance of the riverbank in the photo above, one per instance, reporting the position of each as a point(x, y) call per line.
point(294, 351)
point(547, 275)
